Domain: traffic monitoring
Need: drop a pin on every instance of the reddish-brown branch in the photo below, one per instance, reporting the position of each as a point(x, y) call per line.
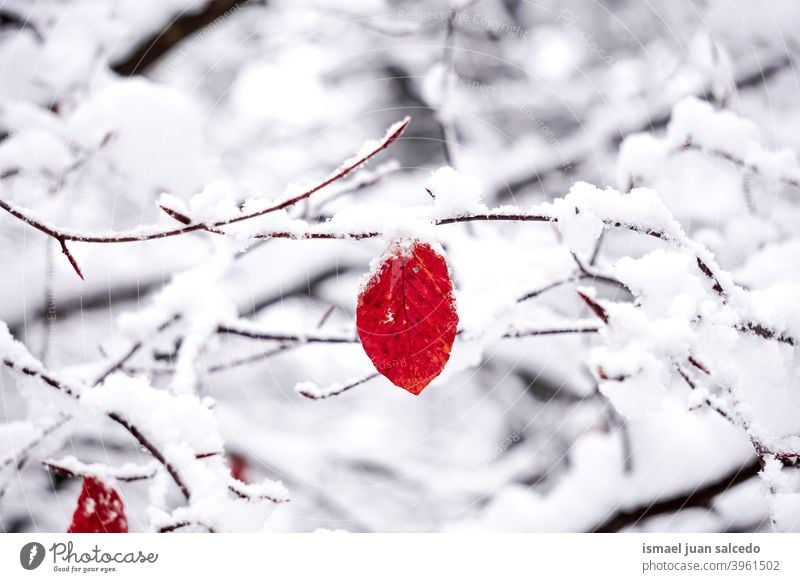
point(512, 334)
point(181, 524)
point(656, 119)
point(65, 388)
point(117, 474)
point(179, 28)
point(766, 333)
point(174, 214)
point(546, 288)
point(706, 270)
point(603, 375)
point(236, 488)
point(23, 452)
point(585, 272)
point(57, 467)
point(311, 338)
point(581, 274)
point(736, 419)
point(63, 236)
point(550, 331)
point(322, 234)
point(703, 266)
point(153, 450)
point(296, 340)
point(322, 395)
point(134, 349)
point(699, 365)
point(596, 308)
point(325, 316)
point(385, 143)
point(689, 146)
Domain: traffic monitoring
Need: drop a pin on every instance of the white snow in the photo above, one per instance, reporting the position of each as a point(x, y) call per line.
point(13, 351)
point(454, 193)
point(596, 486)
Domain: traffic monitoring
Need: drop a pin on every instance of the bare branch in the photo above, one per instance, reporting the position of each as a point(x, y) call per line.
point(243, 361)
point(363, 179)
point(124, 474)
point(177, 30)
point(63, 235)
point(514, 334)
point(787, 178)
point(71, 258)
point(598, 309)
point(315, 393)
point(22, 453)
point(546, 288)
point(658, 116)
point(702, 496)
point(181, 524)
point(325, 316)
point(74, 392)
point(134, 349)
point(153, 450)
point(249, 330)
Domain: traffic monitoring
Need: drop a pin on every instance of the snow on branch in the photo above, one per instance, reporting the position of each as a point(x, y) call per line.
point(254, 331)
point(179, 431)
point(368, 151)
point(314, 392)
point(72, 467)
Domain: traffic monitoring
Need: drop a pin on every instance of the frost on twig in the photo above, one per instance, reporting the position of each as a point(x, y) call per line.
point(665, 305)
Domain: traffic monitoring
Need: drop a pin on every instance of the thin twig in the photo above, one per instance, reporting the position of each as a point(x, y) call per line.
point(23, 452)
point(134, 349)
point(325, 316)
point(252, 332)
point(766, 333)
point(157, 454)
point(236, 488)
point(702, 496)
point(586, 273)
point(596, 308)
point(73, 392)
point(63, 236)
point(88, 471)
point(755, 74)
point(689, 146)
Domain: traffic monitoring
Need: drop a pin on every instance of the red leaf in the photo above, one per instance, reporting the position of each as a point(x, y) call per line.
point(100, 510)
point(406, 315)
